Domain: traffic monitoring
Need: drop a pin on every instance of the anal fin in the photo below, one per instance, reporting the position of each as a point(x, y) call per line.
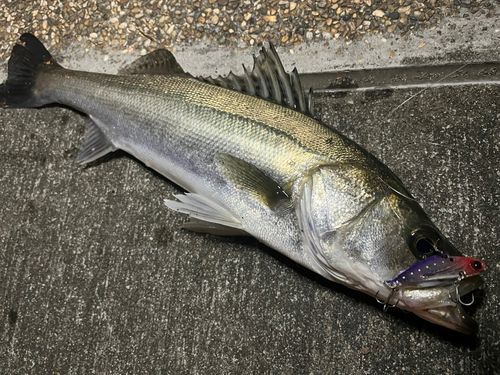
point(95, 144)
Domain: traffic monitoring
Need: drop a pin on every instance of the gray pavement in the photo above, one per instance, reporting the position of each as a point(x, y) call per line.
point(97, 277)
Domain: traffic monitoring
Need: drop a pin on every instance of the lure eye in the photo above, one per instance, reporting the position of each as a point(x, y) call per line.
point(477, 265)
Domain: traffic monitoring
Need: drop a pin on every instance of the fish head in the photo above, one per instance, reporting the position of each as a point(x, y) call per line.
point(363, 228)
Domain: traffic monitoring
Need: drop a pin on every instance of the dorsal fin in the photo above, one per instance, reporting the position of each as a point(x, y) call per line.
point(160, 61)
point(268, 80)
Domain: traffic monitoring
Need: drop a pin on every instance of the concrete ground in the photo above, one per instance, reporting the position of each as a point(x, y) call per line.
point(97, 277)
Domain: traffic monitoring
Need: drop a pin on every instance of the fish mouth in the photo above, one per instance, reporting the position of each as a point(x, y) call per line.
point(444, 304)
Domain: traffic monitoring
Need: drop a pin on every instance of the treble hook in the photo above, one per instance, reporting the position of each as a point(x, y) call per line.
point(457, 284)
point(379, 301)
point(386, 304)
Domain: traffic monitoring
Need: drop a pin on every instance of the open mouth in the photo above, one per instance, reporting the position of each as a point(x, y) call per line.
point(444, 304)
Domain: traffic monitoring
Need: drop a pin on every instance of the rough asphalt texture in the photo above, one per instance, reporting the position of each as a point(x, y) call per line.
point(97, 277)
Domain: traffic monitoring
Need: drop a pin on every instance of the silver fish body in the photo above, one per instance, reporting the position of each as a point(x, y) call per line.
point(255, 167)
point(184, 128)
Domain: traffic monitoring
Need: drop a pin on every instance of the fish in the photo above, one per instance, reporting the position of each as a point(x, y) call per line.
point(253, 160)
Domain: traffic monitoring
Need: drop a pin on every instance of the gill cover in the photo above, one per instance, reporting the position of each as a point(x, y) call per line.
point(354, 221)
point(350, 225)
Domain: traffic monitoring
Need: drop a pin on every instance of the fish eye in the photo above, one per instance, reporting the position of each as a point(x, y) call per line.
point(403, 205)
point(424, 242)
point(424, 245)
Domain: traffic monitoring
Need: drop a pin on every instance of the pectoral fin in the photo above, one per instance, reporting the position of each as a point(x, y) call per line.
point(246, 177)
point(208, 216)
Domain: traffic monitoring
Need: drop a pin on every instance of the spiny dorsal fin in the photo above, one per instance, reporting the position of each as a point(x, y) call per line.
point(160, 61)
point(268, 80)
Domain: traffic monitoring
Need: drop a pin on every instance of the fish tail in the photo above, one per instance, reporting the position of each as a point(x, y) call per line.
point(28, 58)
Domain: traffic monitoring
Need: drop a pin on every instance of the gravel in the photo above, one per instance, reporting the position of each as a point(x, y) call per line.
point(144, 26)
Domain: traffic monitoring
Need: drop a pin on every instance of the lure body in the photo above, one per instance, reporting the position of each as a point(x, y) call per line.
point(436, 269)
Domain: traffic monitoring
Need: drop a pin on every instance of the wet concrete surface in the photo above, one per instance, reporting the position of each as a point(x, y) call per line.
point(97, 277)
point(404, 77)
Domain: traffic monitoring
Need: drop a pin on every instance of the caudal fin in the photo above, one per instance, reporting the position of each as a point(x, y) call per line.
point(26, 60)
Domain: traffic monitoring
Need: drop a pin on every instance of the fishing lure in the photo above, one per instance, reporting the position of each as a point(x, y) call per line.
point(437, 269)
